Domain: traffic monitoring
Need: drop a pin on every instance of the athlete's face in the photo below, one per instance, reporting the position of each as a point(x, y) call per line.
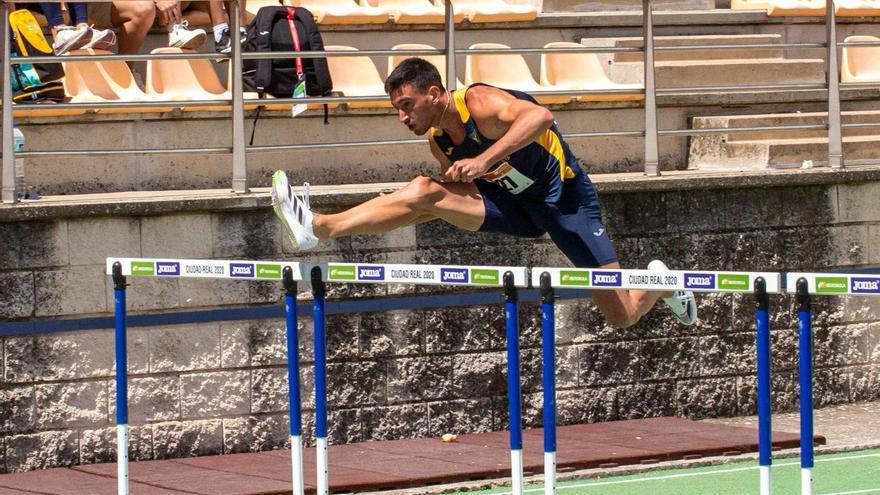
point(417, 110)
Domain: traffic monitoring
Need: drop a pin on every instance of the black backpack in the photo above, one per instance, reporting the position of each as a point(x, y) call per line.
point(270, 32)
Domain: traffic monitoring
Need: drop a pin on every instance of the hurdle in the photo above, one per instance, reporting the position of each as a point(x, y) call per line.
point(510, 279)
point(761, 283)
point(283, 271)
point(805, 285)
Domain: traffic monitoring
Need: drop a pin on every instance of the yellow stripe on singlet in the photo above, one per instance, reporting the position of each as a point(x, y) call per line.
point(550, 142)
point(460, 105)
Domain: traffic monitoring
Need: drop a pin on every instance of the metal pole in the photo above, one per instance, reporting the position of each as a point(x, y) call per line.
point(514, 396)
point(548, 342)
point(805, 362)
point(765, 441)
point(835, 136)
point(121, 382)
point(652, 153)
point(296, 460)
point(318, 293)
point(239, 157)
point(8, 177)
point(450, 46)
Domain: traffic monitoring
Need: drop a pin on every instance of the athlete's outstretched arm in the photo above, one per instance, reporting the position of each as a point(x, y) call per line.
point(514, 123)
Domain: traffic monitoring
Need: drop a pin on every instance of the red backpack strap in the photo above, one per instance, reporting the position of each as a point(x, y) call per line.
point(291, 15)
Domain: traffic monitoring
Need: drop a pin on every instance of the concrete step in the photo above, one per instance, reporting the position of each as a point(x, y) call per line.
point(698, 73)
point(782, 149)
point(694, 40)
point(623, 5)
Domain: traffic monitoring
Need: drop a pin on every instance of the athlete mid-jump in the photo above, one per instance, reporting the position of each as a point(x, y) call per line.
point(505, 169)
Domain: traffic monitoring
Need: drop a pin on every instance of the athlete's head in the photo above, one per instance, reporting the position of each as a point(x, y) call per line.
point(417, 93)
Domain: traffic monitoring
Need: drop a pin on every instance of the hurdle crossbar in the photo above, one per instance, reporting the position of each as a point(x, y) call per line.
point(693, 280)
point(835, 284)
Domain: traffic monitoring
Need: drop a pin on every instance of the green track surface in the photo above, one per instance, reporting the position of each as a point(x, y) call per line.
point(843, 473)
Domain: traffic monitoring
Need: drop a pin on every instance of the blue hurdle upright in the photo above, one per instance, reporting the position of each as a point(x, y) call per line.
point(765, 439)
point(121, 380)
point(548, 352)
point(293, 393)
point(321, 446)
point(514, 396)
point(805, 368)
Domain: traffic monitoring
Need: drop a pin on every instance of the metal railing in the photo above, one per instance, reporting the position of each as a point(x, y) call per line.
point(238, 149)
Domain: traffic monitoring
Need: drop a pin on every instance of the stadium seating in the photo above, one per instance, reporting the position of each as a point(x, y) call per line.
point(494, 10)
point(860, 63)
point(439, 61)
point(857, 8)
point(356, 76)
point(506, 71)
point(343, 12)
point(750, 4)
point(184, 80)
point(581, 71)
point(413, 11)
point(796, 8)
point(104, 81)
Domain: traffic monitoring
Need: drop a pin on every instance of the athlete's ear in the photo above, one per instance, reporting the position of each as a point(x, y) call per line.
point(434, 92)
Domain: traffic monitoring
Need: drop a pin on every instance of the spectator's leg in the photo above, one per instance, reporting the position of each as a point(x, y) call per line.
point(133, 18)
point(79, 13)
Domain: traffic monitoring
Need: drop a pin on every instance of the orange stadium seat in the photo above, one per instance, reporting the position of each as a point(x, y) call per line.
point(439, 61)
point(183, 80)
point(750, 4)
point(506, 71)
point(343, 12)
point(413, 11)
point(860, 63)
point(494, 10)
point(579, 71)
point(796, 8)
point(104, 81)
point(857, 8)
point(356, 76)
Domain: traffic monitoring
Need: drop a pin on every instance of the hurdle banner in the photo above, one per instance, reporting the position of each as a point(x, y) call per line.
point(835, 284)
point(473, 276)
point(696, 281)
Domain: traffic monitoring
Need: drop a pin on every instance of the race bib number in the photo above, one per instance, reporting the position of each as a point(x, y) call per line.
point(509, 178)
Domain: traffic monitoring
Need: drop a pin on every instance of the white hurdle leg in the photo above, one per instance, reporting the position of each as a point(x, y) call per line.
point(516, 471)
point(806, 481)
point(549, 473)
point(323, 461)
point(765, 480)
point(296, 463)
point(122, 459)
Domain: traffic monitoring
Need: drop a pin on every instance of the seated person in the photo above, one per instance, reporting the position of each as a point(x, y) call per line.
point(134, 18)
point(77, 35)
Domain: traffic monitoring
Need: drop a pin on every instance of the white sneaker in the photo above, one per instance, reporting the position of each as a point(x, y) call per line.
point(102, 39)
point(181, 36)
point(293, 211)
point(682, 302)
point(69, 38)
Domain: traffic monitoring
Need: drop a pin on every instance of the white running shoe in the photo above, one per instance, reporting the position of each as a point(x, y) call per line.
point(181, 36)
point(102, 39)
point(69, 38)
point(682, 302)
point(293, 211)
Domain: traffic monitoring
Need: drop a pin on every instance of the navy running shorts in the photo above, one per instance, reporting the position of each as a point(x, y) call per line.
point(574, 222)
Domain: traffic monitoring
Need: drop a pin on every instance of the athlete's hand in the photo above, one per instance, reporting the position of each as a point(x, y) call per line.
point(465, 170)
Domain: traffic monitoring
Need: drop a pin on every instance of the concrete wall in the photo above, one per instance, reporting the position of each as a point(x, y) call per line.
point(220, 387)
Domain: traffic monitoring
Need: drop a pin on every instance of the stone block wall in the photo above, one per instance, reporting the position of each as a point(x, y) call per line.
point(221, 387)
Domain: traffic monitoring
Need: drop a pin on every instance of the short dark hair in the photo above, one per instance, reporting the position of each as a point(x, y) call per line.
point(417, 72)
